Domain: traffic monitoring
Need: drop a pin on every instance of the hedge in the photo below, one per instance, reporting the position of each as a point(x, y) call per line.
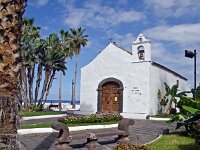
point(94, 118)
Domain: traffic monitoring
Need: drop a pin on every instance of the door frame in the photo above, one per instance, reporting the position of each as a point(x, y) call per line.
point(99, 90)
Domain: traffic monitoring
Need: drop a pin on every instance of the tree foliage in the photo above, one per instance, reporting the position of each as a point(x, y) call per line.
point(42, 55)
point(43, 58)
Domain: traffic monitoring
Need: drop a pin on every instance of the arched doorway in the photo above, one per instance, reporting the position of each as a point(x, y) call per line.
point(110, 96)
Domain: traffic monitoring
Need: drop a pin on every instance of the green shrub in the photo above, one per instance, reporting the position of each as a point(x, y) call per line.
point(162, 115)
point(189, 117)
point(35, 108)
point(94, 118)
point(188, 102)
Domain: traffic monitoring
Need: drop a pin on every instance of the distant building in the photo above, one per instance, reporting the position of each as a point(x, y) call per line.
point(120, 81)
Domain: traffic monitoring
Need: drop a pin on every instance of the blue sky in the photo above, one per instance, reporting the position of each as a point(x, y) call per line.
point(171, 25)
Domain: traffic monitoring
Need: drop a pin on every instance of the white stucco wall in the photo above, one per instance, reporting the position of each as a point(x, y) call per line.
point(116, 63)
point(157, 77)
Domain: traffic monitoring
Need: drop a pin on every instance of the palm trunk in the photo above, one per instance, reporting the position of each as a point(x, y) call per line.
point(30, 82)
point(33, 74)
point(46, 80)
point(24, 78)
point(9, 64)
point(8, 123)
point(39, 78)
point(74, 90)
point(49, 85)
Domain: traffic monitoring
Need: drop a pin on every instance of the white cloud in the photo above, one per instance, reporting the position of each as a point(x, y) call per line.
point(38, 3)
point(45, 27)
point(174, 8)
point(122, 2)
point(185, 34)
point(158, 50)
point(161, 4)
point(42, 2)
point(94, 14)
point(125, 41)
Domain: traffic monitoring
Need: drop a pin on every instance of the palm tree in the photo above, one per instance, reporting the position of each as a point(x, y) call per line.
point(11, 12)
point(77, 40)
point(24, 58)
point(66, 49)
point(29, 39)
point(32, 50)
point(53, 60)
point(58, 64)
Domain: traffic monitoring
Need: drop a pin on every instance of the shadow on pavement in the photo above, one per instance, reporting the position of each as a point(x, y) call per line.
point(47, 143)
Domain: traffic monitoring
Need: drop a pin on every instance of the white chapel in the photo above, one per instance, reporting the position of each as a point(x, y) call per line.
point(119, 81)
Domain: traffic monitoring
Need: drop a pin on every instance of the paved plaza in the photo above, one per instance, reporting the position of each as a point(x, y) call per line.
point(142, 132)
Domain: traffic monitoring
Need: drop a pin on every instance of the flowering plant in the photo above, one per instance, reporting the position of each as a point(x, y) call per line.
point(94, 118)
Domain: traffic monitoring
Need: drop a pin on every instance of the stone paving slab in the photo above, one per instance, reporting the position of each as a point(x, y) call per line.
point(143, 131)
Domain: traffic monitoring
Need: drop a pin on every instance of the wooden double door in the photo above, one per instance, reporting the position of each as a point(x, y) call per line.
point(110, 98)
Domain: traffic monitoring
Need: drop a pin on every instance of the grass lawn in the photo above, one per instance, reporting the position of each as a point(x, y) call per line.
point(48, 125)
point(40, 125)
point(173, 142)
point(162, 116)
point(39, 113)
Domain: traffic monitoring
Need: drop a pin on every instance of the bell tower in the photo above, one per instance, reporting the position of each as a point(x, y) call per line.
point(141, 49)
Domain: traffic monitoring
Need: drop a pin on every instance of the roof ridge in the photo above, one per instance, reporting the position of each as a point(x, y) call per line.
point(166, 68)
point(114, 43)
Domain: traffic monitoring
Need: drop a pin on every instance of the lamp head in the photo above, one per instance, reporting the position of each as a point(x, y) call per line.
point(189, 54)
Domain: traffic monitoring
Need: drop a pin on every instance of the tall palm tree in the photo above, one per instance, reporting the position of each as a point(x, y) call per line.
point(32, 50)
point(78, 39)
point(66, 49)
point(58, 64)
point(11, 12)
point(29, 40)
point(63, 46)
point(54, 60)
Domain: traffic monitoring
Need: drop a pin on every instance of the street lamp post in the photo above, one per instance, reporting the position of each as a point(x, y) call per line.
point(72, 92)
point(191, 54)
